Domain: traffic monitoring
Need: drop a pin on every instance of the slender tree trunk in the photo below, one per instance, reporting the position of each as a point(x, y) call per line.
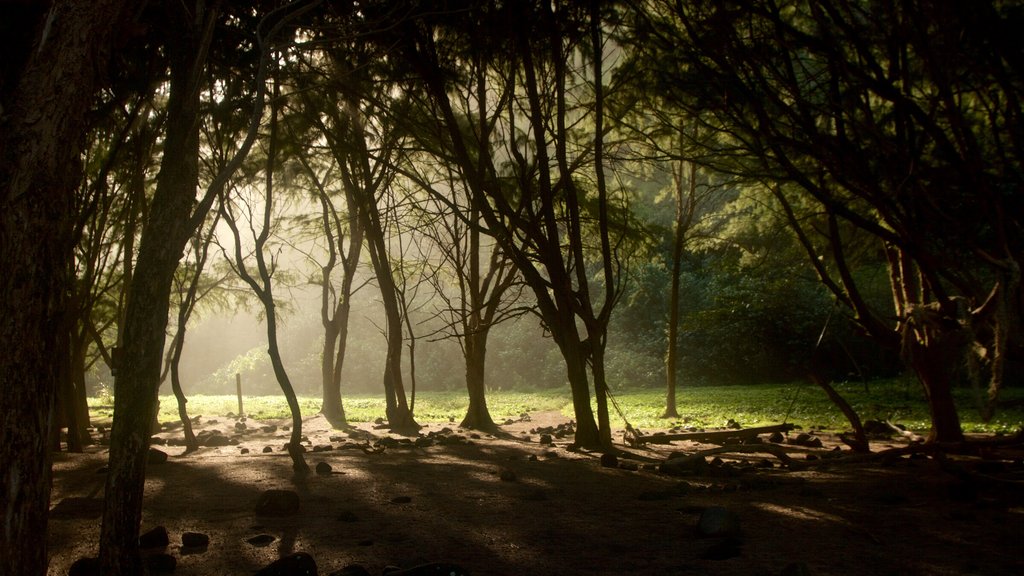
point(164, 236)
point(191, 442)
point(295, 449)
point(478, 417)
point(604, 426)
point(45, 111)
point(672, 348)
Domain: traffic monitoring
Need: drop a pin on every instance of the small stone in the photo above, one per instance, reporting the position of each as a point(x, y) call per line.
point(269, 428)
point(717, 522)
point(195, 540)
point(431, 569)
point(545, 439)
point(609, 461)
point(629, 466)
point(243, 451)
point(261, 540)
point(298, 564)
point(155, 538)
point(348, 516)
point(277, 503)
point(156, 457)
point(776, 438)
point(723, 550)
point(323, 469)
point(351, 570)
point(796, 569)
point(85, 567)
point(267, 449)
point(161, 564)
point(240, 426)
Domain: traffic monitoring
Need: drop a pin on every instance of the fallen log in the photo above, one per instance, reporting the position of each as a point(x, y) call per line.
point(714, 436)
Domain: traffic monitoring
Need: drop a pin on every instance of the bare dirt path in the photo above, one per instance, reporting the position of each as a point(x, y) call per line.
point(509, 505)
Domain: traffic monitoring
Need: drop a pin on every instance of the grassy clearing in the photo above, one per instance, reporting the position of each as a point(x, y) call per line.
point(704, 406)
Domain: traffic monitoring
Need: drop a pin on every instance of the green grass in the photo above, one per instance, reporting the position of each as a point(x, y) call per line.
point(703, 406)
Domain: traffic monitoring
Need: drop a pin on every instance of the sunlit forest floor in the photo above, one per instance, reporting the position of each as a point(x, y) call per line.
point(509, 505)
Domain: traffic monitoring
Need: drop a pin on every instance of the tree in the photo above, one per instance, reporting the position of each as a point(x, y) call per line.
point(543, 226)
point(891, 120)
point(50, 77)
point(350, 132)
point(175, 213)
point(263, 285)
point(476, 282)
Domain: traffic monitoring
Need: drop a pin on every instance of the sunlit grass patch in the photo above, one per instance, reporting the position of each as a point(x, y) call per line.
point(799, 403)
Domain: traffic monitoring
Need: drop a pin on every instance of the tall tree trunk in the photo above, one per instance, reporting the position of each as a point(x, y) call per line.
point(678, 240)
point(165, 233)
point(45, 111)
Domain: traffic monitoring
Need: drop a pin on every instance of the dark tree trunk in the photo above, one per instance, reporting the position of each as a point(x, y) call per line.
point(45, 109)
point(332, 408)
point(165, 233)
point(399, 416)
point(935, 366)
point(191, 442)
point(604, 425)
point(478, 417)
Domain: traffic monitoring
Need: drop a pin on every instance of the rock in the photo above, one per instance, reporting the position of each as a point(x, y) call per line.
point(684, 465)
point(545, 439)
point(267, 449)
point(507, 475)
point(161, 564)
point(216, 441)
point(718, 522)
point(609, 461)
point(733, 425)
point(269, 428)
point(323, 469)
point(277, 503)
point(298, 564)
point(195, 540)
point(629, 466)
point(85, 567)
point(796, 569)
point(805, 439)
point(157, 441)
point(727, 548)
point(348, 516)
point(261, 540)
point(431, 569)
point(243, 451)
point(155, 457)
point(241, 427)
point(777, 438)
point(351, 570)
point(155, 538)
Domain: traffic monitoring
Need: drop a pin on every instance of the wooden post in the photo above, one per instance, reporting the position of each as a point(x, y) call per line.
point(238, 390)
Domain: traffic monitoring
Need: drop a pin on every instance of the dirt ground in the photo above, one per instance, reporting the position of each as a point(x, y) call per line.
point(509, 505)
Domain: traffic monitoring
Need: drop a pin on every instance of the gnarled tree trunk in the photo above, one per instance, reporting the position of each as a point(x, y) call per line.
point(53, 77)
